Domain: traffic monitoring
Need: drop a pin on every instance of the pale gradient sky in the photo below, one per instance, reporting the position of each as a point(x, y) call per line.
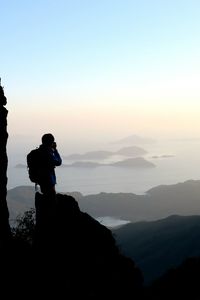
point(101, 69)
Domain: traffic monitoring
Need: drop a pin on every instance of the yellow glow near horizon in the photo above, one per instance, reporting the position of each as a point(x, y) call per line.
point(115, 117)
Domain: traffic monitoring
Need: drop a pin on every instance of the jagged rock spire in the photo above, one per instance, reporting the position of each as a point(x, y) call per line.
point(3, 99)
point(4, 214)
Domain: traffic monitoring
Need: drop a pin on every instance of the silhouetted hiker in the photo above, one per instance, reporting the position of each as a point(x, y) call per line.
point(42, 162)
point(50, 158)
point(41, 166)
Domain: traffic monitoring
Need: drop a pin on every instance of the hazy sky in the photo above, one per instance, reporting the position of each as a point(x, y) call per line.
point(101, 68)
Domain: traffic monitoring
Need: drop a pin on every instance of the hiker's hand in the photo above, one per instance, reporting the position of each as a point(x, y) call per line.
point(54, 145)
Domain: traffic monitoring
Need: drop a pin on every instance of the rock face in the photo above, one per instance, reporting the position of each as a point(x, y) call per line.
point(71, 256)
point(4, 215)
point(77, 255)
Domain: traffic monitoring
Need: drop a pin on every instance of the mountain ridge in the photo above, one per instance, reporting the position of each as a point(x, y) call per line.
point(160, 245)
point(158, 202)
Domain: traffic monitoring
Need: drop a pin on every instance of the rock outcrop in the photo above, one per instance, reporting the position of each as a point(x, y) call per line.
point(76, 255)
point(4, 215)
point(71, 256)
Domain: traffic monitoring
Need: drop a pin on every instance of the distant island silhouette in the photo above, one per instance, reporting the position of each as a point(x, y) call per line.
point(133, 163)
point(101, 154)
point(138, 162)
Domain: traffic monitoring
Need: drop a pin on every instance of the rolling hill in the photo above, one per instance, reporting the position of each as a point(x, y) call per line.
point(160, 245)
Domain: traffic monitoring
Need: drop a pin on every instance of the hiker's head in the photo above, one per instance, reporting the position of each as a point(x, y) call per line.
point(47, 139)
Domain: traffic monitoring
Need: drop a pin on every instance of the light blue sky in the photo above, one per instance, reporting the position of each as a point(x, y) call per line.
point(127, 66)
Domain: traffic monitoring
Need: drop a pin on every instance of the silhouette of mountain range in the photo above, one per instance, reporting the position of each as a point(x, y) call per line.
point(159, 202)
point(160, 245)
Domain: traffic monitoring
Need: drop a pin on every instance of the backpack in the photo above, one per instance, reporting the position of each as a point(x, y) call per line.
point(33, 165)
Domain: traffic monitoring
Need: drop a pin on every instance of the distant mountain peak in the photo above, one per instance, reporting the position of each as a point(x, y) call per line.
point(135, 140)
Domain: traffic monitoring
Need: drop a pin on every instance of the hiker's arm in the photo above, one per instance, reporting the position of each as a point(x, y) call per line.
point(56, 158)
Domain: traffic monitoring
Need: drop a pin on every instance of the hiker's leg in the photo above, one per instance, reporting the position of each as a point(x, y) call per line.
point(49, 194)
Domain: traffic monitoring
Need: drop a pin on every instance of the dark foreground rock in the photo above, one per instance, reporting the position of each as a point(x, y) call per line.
point(71, 256)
